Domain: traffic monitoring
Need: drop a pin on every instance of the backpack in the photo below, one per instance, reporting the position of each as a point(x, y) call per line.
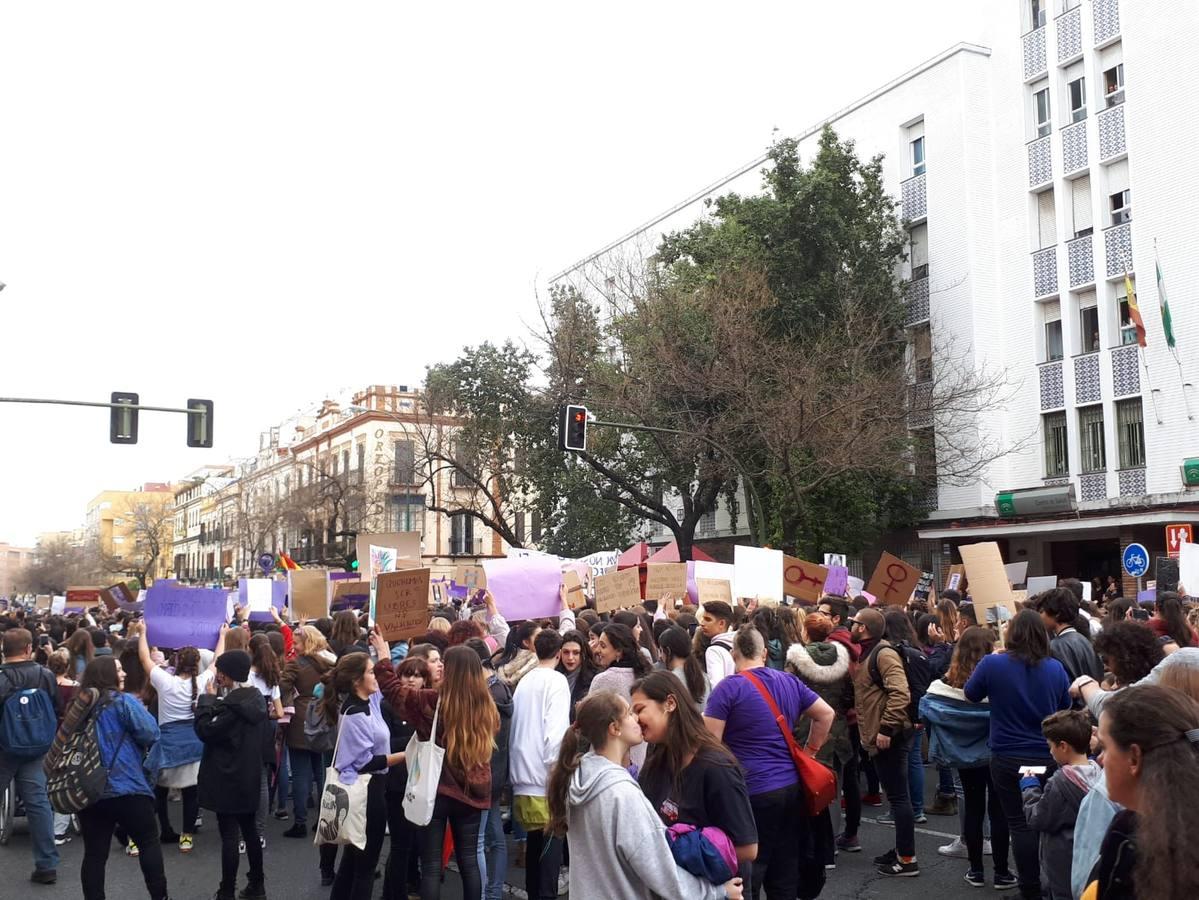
point(28, 723)
point(917, 669)
point(76, 775)
point(318, 733)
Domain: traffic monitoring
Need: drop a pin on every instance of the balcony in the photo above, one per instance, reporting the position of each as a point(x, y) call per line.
point(1035, 57)
point(1053, 394)
point(1081, 261)
point(1040, 163)
point(403, 476)
point(913, 198)
point(1069, 35)
point(1044, 272)
point(319, 553)
point(1126, 371)
point(1117, 250)
point(1111, 134)
point(916, 295)
point(1107, 21)
point(1074, 148)
point(466, 546)
point(920, 401)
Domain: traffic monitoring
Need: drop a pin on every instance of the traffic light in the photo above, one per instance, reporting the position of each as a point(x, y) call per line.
point(199, 423)
point(572, 428)
point(122, 422)
point(352, 561)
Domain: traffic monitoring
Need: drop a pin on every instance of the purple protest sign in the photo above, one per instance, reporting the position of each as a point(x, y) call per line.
point(178, 616)
point(525, 587)
point(1148, 597)
point(278, 597)
point(837, 580)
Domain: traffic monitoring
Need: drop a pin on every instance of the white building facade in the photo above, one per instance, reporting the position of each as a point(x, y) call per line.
point(1017, 164)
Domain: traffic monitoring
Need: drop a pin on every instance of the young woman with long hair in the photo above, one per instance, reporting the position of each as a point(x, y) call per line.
point(467, 722)
point(82, 651)
point(1024, 685)
point(518, 657)
point(676, 652)
point(1169, 621)
point(346, 636)
point(264, 675)
point(298, 681)
point(958, 731)
point(619, 655)
point(689, 776)
point(412, 675)
point(1150, 737)
point(576, 663)
point(619, 847)
point(126, 732)
point(179, 749)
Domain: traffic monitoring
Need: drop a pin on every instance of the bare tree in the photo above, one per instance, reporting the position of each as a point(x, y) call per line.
point(56, 565)
point(148, 527)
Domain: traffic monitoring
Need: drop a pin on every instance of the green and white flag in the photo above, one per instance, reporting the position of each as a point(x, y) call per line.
point(1164, 304)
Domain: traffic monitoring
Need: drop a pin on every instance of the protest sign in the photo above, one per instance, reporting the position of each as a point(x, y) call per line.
point(666, 580)
point(757, 572)
point(59, 604)
point(803, 580)
point(258, 595)
point(617, 590)
point(81, 598)
point(117, 595)
point(1188, 569)
point(870, 598)
point(350, 595)
point(1148, 597)
point(1167, 574)
point(43, 601)
point(572, 586)
point(472, 578)
point(1037, 584)
point(1017, 572)
point(713, 570)
point(403, 544)
point(893, 580)
point(1086, 591)
point(837, 581)
point(989, 585)
point(955, 580)
point(308, 593)
point(924, 587)
point(853, 585)
point(525, 587)
point(710, 589)
point(402, 603)
point(834, 559)
point(178, 616)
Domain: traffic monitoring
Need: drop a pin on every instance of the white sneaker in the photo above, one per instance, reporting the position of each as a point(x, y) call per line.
point(957, 849)
point(563, 881)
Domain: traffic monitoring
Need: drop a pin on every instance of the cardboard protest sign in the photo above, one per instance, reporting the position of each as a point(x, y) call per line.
point(955, 580)
point(117, 596)
point(405, 544)
point(350, 595)
point(803, 580)
point(617, 590)
point(758, 572)
point(525, 587)
point(1037, 584)
point(42, 601)
point(712, 589)
point(178, 616)
point(308, 593)
point(472, 578)
point(572, 586)
point(1016, 572)
point(893, 580)
point(989, 585)
point(1167, 574)
point(665, 580)
point(402, 603)
point(1188, 569)
point(837, 581)
point(82, 598)
point(924, 587)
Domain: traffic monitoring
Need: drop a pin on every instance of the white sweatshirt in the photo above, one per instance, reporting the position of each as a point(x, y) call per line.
point(540, 717)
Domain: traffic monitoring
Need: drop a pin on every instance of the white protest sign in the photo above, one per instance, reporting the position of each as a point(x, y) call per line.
point(58, 604)
point(1037, 584)
point(1188, 568)
point(258, 594)
point(758, 572)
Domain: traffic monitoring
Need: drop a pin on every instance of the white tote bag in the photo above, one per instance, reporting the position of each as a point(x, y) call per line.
point(342, 817)
point(424, 760)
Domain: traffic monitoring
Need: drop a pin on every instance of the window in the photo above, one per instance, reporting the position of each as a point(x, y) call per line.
point(1041, 119)
point(1053, 340)
point(1038, 12)
point(919, 252)
point(1046, 220)
point(1080, 206)
point(1113, 85)
point(1088, 325)
point(1057, 456)
point(345, 461)
point(361, 459)
point(1130, 432)
point(462, 534)
point(1128, 331)
point(333, 462)
point(1076, 95)
point(924, 454)
point(1068, 5)
point(1121, 206)
point(405, 462)
point(1090, 429)
point(916, 146)
point(922, 353)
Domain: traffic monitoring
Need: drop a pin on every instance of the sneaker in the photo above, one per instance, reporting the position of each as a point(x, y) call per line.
point(956, 849)
point(830, 865)
point(262, 841)
point(887, 858)
point(1004, 881)
point(921, 819)
point(564, 882)
point(185, 843)
point(60, 839)
point(900, 869)
point(131, 849)
point(849, 844)
point(44, 876)
point(872, 799)
point(944, 806)
point(241, 847)
point(299, 830)
point(975, 878)
point(987, 847)
point(885, 819)
point(253, 892)
point(282, 815)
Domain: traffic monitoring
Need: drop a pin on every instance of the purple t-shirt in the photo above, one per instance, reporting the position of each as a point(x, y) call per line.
point(750, 730)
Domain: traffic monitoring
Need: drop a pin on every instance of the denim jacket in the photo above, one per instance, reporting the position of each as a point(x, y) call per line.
point(124, 717)
point(958, 730)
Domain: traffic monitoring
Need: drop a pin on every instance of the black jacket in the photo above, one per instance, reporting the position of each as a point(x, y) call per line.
point(235, 731)
point(502, 695)
point(1076, 654)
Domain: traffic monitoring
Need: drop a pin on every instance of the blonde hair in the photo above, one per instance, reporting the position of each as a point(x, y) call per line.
point(439, 623)
point(314, 640)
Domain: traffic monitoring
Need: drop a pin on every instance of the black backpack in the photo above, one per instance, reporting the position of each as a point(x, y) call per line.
point(76, 773)
point(917, 669)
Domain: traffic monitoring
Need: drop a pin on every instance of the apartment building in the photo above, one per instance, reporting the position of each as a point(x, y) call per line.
point(13, 560)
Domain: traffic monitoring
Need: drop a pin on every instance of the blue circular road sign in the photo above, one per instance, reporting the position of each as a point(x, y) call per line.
point(1136, 560)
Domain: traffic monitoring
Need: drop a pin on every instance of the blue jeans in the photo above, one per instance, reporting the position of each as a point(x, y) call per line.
point(916, 772)
point(307, 768)
point(493, 853)
point(31, 788)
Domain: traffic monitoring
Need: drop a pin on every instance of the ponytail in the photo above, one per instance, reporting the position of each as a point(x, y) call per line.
point(338, 683)
point(589, 731)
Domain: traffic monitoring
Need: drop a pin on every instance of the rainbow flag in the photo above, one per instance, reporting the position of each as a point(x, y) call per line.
point(1134, 311)
point(287, 563)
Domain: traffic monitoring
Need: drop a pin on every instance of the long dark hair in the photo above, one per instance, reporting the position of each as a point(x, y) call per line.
point(590, 729)
point(80, 646)
point(1157, 720)
point(1169, 610)
point(676, 645)
point(899, 627)
point(263, 659)
point(1117, 610)
point(339, 683)
point(622, 640)
point(187, 665)
point(346, 632)
point(515, 641)
point(587, 667)
point(686, 733)
point(101, 674)
point(1026, 638)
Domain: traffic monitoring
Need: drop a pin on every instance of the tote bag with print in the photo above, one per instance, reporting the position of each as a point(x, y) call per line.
point(425, 759)
point(342, 817)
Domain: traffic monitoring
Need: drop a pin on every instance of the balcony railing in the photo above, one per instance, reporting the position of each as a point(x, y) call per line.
point(1081, 261)
point(1035, 61)
point(1117, 249)
point(318, 553)
point(466, 546)
point(1044, 272)
point(1107, 21)
point(917, 301)
point(1074, 148)
point(1111, 134)
point(1040, 162)
point(914, 199)
point(1069, 35)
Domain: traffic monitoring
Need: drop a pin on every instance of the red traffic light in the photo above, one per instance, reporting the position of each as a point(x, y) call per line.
point(572, 428)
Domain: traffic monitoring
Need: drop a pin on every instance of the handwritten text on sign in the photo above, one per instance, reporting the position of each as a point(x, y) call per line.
point(402, 603)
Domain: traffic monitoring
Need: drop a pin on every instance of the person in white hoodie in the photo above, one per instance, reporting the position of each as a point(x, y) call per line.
point(619, 848)
point(715, 639)
point(540, 718)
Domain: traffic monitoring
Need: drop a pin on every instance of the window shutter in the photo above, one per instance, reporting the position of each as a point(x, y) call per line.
point(1080, 192)
point(1046, 220)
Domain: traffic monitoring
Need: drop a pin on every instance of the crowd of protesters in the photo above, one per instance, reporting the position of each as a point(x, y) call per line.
point(646, 753)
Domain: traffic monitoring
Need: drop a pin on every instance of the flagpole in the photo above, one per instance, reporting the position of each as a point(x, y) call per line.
point(1182, 382)
point(1149, 381)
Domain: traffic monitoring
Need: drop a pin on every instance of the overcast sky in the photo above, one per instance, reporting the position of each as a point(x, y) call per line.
point(262, 203)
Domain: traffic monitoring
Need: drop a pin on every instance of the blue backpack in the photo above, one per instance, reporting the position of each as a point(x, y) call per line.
point(28, 724)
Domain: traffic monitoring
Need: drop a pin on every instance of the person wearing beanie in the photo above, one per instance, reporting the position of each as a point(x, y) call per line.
point(237, 742)
point(882, 706)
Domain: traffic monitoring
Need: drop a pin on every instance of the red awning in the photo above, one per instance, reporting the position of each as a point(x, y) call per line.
point(633, 557)
point(670, 554)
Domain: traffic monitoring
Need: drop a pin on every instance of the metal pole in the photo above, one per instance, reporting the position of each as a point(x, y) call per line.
point(170, 409)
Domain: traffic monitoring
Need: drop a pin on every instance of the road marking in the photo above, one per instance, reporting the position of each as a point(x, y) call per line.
point(919, 830)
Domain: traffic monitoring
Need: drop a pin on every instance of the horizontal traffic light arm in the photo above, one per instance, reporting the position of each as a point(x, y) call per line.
point(170, 409)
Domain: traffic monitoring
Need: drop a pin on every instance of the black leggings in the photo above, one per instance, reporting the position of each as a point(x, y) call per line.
point(543, 860)
point(403, 844)
point(981, 799)
point(191, 809)
point(355, 878)
point(135, 814)
point(237, 827)
point(464, 824)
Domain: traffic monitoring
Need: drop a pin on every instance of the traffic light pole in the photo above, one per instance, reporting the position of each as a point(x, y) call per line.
point(754, 500)
point(124, 409)
point(170, 409)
